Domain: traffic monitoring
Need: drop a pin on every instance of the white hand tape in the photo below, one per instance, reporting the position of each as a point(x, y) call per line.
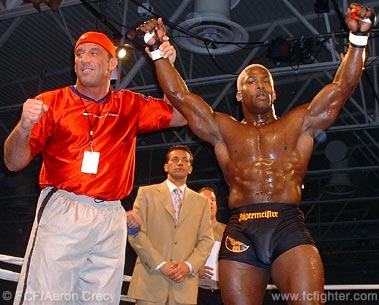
point(148, 36)
point(358, 40)
point(155, 55)
point(366, 20)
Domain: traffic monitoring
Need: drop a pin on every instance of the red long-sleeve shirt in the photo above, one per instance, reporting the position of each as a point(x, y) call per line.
point(63, 135)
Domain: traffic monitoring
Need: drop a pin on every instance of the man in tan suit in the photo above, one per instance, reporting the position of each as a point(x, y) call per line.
point(171, 245)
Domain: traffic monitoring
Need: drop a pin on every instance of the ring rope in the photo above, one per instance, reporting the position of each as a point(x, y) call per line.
point(13, 276)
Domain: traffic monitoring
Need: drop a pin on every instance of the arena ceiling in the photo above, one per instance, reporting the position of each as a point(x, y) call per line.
point(301, 44)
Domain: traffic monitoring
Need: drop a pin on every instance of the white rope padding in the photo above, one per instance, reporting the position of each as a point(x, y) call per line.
point(11, 259)
point(340, 287)
point(13, 276)
point(9, 275)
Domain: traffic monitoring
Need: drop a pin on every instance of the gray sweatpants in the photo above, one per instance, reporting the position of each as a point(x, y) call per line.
point(76, 252)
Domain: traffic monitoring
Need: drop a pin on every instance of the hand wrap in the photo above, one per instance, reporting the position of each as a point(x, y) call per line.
point(153, 48)
point(359, 38)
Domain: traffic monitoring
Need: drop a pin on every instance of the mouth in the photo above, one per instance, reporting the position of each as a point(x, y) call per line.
point(86, 69)
point(261, 95)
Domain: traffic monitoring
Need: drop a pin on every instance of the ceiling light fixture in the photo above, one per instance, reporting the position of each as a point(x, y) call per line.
point(210, 25)
point(124, 52)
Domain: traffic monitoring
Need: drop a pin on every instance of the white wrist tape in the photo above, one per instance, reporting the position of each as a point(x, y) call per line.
point(148, 36)
point(156, 54)
point(358, 40)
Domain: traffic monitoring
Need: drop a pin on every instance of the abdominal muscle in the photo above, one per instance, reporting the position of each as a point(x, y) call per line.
point(265, 164)
point(264, 181)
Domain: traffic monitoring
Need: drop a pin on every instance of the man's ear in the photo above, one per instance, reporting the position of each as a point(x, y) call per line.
point(239, 96)
point(165, 167)
point(113, 63)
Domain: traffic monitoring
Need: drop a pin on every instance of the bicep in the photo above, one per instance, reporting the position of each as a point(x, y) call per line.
point(201, 119)
point(322, 112)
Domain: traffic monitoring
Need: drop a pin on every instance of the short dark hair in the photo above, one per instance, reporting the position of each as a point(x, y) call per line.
point(207, 188)
point(179, 147)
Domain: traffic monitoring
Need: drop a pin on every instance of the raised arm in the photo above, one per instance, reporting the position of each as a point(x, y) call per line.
point(169, 52)
point(17, 153)
point(178, 120)
point(199, 115)
point(326, 105)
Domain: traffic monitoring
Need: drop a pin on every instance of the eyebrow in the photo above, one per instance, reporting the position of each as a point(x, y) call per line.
point(177, 158)
point(90, 49)
point(258, 75)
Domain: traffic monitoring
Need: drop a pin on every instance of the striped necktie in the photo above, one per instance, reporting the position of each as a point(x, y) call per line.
point(178, 201)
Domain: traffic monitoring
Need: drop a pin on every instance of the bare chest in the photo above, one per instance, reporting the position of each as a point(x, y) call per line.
point(264, 143)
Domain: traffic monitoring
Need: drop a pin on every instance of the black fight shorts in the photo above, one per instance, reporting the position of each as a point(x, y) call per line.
point(258, 233)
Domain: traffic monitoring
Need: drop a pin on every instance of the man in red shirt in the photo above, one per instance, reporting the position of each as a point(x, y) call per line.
point(86, 134)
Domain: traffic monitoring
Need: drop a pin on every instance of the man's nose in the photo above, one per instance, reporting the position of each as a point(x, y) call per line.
point(259, 84)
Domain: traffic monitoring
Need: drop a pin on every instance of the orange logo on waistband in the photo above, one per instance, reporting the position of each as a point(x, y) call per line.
point(258, 215)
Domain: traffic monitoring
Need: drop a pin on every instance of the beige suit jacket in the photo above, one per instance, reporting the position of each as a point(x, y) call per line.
point(162, 239)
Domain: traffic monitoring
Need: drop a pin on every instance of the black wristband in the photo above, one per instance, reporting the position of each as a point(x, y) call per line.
point(155, 46)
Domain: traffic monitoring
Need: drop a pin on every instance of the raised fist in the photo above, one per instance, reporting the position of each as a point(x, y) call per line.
point(360, 19)
point(152, 35)
point(148, 34)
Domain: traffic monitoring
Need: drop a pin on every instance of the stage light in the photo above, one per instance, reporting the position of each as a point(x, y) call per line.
point(280, 49)
point(124, 52)
point(339, 181)
point(294, 50)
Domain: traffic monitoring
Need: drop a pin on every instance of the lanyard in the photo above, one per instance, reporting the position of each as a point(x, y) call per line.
point(86, 113)
point(90, 124)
